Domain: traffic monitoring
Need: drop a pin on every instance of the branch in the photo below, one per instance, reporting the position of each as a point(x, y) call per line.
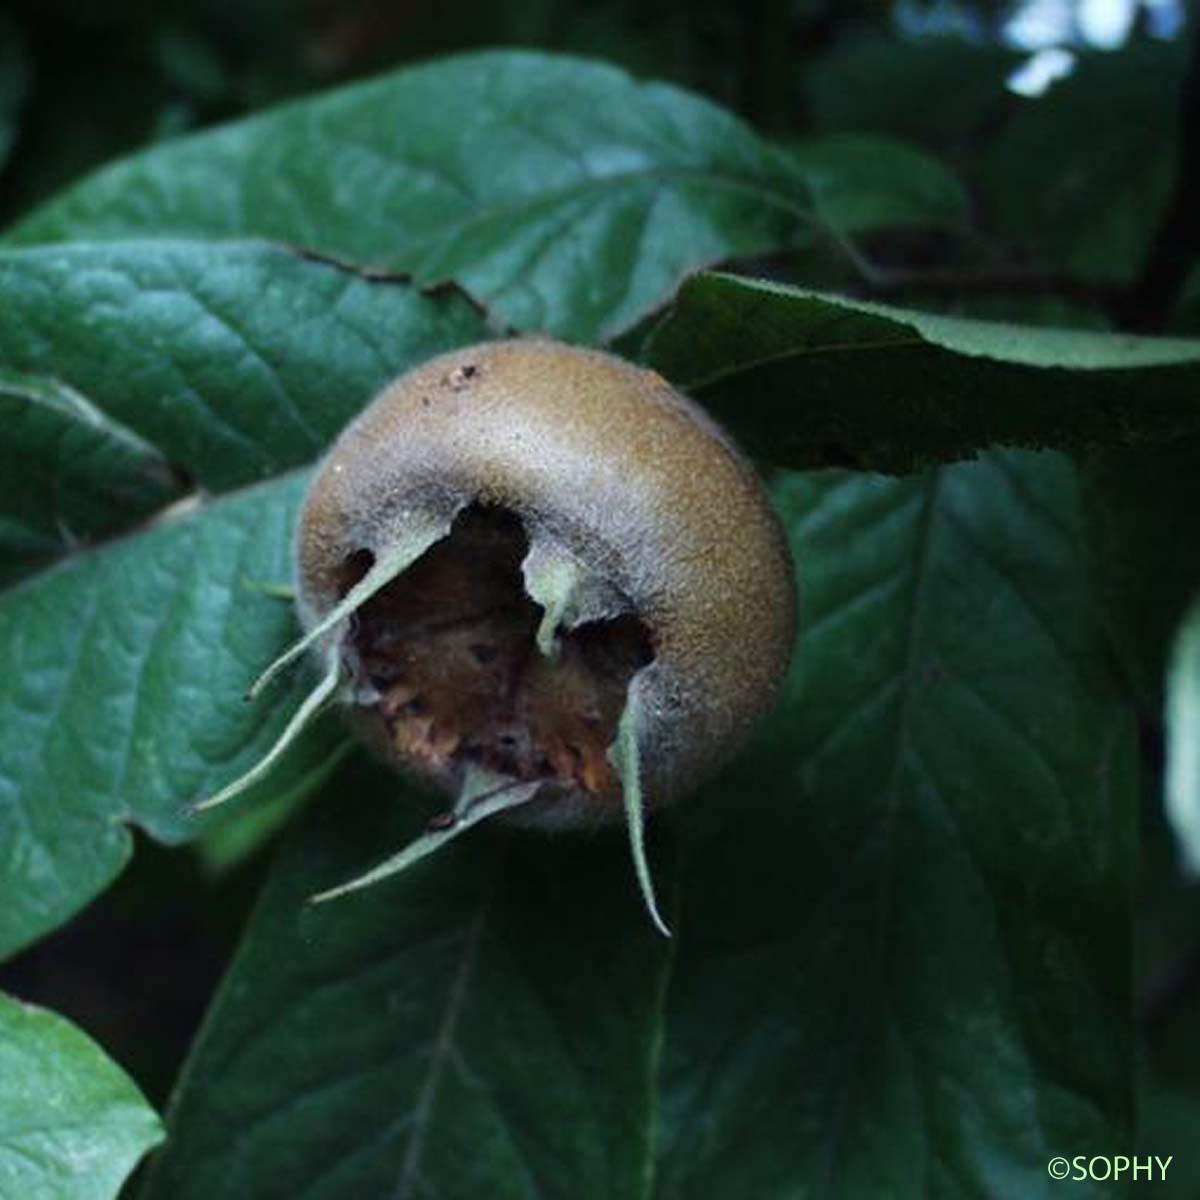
point(876, 280)
point(997, 281)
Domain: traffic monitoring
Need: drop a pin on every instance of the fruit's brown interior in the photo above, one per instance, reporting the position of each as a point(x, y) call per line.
point(450, 647)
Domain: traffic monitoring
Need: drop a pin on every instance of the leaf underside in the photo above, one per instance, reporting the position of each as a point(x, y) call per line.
point(806, 379)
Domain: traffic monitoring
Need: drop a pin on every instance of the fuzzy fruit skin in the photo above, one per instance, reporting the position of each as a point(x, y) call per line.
point(608, 461)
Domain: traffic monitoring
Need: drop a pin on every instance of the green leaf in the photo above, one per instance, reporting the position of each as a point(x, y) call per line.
point(1169, 1075)
point(959, 737)
point(127, 661)
point(120, 697)
point(808, 379)
point(234, 360)
point(417, 1003)
point(1182, 785)
point(865, 184)
point(568, 196)
point(825, 1022)
point(72, 1123)
point(71, 474)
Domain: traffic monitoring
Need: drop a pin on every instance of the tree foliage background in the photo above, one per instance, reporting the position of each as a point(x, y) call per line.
point(935, 927)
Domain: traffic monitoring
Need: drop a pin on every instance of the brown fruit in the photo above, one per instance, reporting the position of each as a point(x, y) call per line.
point(546, 582)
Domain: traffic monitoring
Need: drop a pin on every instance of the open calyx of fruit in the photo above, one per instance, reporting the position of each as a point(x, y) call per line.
point(543, 581)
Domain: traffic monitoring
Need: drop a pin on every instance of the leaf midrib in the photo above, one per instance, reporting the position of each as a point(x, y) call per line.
point(801, 352)
point(881, 957)
point(440, 1051)
point(600, 183)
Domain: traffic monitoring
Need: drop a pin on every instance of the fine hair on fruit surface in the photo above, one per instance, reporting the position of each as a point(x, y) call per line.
point(545, 582)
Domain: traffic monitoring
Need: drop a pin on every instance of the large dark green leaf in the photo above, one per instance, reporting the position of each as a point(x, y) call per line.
point(120, 696)
point(72, 1124)
point(901, 963)
point(564, 193)
point(1168, 945)
point(131, 371)
point(124, 663)
point(809, 379)
point(369, 1064)
point(863, 184)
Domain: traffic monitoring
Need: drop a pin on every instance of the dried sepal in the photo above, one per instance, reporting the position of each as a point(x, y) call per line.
point(385, 568)
point(483, 796)
point(311, 707)
point(626, 756)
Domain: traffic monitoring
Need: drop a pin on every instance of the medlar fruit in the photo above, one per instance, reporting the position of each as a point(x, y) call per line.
point(544, 581)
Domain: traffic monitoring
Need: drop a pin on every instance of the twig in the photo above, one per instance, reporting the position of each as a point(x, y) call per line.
point(883, 281)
